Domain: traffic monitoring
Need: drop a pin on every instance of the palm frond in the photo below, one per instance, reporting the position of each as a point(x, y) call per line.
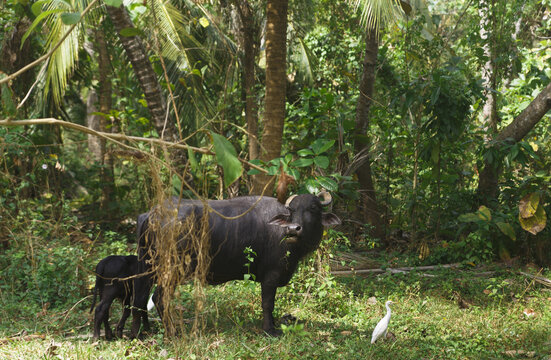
point(374, 13)
point(61, 64)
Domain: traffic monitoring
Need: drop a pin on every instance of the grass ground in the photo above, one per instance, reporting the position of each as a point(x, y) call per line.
point(451, 314)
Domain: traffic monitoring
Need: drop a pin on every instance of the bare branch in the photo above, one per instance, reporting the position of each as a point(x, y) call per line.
point(117, 138)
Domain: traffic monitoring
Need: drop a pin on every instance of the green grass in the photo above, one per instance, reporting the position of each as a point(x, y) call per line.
point(335, 321)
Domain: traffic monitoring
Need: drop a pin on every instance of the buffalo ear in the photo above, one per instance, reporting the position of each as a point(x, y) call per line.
point(330, 219)
point(280, 219)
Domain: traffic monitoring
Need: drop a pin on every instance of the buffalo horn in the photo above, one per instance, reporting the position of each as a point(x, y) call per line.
point(289, 199)
point(326, 198)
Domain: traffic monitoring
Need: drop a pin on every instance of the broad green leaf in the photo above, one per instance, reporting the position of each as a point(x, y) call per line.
point(312, 186)
point(113, 3)
point(36, 8)
point(131, 31)
point(319, 146)
point(322, 161)
point(528, 205)
point(484, 213)
point(253, 171)
point(70, 18)
point(469, 217)
point(534, 224)
point(226, 156)
point(305, 152)
point(302, 162)
point(192, 160)
point(328, 183)
point(273, 170)
point(275, 161)
point(294, 173)
point(176, 185)
point(507, 229)
point(288, 158)
point(36, 21)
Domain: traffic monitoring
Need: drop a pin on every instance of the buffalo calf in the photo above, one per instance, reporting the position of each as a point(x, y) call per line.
point(112, 283)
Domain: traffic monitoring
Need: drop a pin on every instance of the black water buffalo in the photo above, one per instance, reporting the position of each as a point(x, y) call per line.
point(280, 235)
point(112, 283)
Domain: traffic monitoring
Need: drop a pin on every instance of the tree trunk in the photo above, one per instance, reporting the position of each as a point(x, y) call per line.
point(248, 35)
point(135, 50)
point(274, 113)
point(489, 74)
point(516, 131)
point(369, 205)
point(93, 122)
point(104, 98)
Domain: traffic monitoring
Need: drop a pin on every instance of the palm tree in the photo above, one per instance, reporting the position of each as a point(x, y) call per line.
point(374, 12)
point(139, 58)
point(276, 85)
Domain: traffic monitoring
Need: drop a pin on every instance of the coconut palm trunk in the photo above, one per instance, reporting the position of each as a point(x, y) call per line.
point(274, 113)
point(369, 205)
point(136, 53)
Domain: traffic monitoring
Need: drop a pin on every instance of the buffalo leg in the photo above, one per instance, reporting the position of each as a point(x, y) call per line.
point(125, 314)
point(142, 286)
point(102, 316)
point(268, 299)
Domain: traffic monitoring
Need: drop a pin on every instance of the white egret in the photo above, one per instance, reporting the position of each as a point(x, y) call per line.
point(150, 303)
point(382, 326)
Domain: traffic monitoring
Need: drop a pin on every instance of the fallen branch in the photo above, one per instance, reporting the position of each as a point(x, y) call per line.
point(392, 270)
point(539, 279)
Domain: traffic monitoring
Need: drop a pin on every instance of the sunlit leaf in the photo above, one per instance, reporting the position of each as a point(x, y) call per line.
point(312, 186)
point(305, 152)
point(536, 223)
point(528, 205)
point(204, 22)
point(226, 156)
point(484, 213)
point(114, 3)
